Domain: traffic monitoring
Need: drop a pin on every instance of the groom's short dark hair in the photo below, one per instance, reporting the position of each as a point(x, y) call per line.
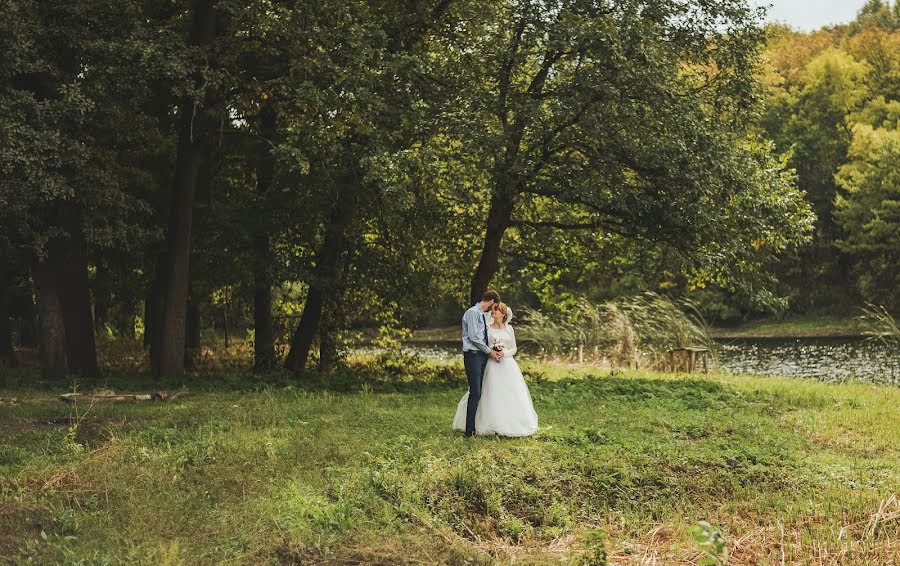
point(491, 296)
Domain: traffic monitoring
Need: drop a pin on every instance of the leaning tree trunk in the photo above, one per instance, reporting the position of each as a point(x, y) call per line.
point(264, 337)
point(328, 346)
point(498, 221)
point(51, 330)
point(193, 129)
point(326, 271)
point(7, 353)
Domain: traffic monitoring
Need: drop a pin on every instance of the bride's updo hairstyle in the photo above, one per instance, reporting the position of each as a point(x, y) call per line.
point(504, 309)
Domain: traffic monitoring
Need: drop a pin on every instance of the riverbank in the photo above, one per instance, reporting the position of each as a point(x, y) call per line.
point(624, 464)
point(796, 327)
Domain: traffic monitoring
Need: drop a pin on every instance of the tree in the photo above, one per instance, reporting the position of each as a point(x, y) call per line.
point(876, 13)
point(622, 118)
point(194, 129)
point(868, 209)
point(48, 172)
point(816, 83)
point(372, 113)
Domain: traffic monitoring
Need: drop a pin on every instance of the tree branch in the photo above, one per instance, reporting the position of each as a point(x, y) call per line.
point(561, 127)
point(537, 83)
point(506, 71)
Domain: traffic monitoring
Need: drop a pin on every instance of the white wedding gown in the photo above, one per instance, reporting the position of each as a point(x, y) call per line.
point(505, 407)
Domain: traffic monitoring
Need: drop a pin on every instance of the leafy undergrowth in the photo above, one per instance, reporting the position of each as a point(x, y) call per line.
point(623, 469)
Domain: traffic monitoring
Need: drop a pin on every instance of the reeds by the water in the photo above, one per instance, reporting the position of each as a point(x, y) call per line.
point(880, 325)
point(634, 331)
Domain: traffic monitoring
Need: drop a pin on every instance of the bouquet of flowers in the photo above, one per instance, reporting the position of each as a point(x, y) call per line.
point(497, 345)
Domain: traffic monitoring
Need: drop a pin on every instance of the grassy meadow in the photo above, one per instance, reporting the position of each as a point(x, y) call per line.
point(365, 469)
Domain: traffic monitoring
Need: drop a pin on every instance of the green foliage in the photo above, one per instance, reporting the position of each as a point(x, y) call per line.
point(822, 87)
point(712, 544)
point(595, 554)
point(593, 125)
point(617, 148)
point(869, 212)
point(877, 13)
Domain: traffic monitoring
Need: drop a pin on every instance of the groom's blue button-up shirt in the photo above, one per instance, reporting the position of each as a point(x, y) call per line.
point(474, 330)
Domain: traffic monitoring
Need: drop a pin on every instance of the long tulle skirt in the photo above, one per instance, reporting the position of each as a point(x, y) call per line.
point(505, 407)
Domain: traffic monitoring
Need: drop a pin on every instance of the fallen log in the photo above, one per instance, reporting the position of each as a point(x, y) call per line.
point(111, 396)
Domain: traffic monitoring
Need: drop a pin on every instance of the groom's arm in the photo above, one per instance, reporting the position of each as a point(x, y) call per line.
point(474, 331)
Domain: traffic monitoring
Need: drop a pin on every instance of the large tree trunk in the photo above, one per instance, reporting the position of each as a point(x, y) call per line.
point(497, 223)
point(193, 130)
point(64, 303)
point(75, 298)
point(264, 337)
point(327, 269)
point(51, 329)
point(7, 353)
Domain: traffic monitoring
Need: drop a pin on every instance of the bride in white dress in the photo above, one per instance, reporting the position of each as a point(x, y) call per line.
point(505, 407)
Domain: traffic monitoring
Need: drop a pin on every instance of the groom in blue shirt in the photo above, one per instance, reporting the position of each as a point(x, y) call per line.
point(476, 352)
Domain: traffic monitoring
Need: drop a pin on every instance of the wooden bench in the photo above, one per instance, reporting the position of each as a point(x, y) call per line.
point(690, 355)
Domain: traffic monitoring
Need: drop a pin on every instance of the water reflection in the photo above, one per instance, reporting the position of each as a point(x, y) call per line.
point(826, 359)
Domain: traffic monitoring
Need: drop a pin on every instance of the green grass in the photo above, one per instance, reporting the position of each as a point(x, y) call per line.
point(624, 464)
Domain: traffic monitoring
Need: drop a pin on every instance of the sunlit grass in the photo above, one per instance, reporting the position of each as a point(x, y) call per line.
point(784, 468)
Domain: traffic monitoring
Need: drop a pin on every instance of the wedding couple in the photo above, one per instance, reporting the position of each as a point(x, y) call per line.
point(498, 401)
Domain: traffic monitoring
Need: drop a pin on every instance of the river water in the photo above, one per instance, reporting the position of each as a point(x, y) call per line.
point(826, 359)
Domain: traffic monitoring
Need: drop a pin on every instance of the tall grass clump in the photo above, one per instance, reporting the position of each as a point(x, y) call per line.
point(880, 326)
point(631, 331)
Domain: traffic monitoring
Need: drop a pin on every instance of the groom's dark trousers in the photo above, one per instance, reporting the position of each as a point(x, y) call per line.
point(474, 362)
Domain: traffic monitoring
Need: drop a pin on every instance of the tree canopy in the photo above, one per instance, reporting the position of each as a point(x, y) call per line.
point(303, 170)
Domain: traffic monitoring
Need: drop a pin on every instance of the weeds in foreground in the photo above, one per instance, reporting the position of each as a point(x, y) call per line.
point(712, 544)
